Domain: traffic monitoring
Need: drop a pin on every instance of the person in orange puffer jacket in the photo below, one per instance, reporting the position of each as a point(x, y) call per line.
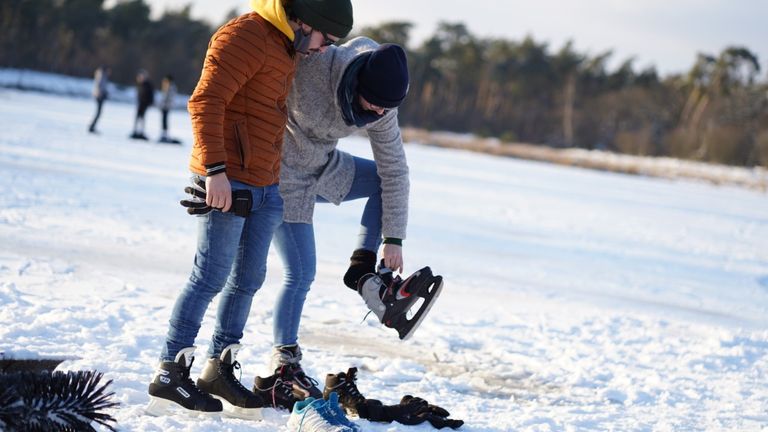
point(238, 112)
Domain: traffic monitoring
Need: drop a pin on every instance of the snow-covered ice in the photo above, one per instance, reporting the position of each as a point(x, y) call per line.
point(574, 299)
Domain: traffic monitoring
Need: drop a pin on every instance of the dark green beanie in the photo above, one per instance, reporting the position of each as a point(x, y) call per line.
point(333, 17)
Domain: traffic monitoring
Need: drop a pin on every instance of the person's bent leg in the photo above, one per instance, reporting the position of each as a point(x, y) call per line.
point(367, 184)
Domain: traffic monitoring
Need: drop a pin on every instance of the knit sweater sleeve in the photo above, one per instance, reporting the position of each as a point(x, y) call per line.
point(235, 54)
point(391, 164)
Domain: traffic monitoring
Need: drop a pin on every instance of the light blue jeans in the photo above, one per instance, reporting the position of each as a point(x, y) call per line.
point(231, 259)
point(295, 243)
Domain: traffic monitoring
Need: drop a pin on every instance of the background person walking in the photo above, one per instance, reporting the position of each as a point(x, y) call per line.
point(145, 98)
point(100, 93)
point(168, 88)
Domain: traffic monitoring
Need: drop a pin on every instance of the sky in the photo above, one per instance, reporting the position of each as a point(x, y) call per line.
point(666, 34)
point(574, 300)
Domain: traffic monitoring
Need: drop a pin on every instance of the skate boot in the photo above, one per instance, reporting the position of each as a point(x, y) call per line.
point(171, 387)
point(392, 298)
point(218, 378)
point(343, 384)
point(274, 391)
point(286, 363)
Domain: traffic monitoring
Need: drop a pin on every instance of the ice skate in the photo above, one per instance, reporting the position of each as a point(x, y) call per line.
point(138, 136)
point(343, 384)
point(392, 299)
point(172, 389)
point(275, 391)
point(219, 380)
point(168, 140)
point(286, 364)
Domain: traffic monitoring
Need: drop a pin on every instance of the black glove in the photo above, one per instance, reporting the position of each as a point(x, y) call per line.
point(361, 263)
point(435, 415)
point(241, 200)
point(442, 422)
point(406, 414)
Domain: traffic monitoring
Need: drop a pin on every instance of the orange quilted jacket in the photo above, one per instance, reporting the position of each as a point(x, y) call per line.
point(238, 108)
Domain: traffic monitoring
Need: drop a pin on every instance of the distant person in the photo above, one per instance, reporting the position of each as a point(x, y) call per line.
point(100, 93)
point(145, 98)
point(168, 88)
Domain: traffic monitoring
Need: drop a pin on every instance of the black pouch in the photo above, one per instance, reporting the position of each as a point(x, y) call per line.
point(242, 201)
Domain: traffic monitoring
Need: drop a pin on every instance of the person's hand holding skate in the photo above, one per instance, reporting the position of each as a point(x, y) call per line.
point(393, 257)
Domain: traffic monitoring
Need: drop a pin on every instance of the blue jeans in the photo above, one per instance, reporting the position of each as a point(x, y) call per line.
point(231, 259)
point(295, 243)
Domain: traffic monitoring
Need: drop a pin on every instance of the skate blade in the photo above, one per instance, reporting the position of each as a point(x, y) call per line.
point(233, 411)
point(422, 313)
point(159, 407)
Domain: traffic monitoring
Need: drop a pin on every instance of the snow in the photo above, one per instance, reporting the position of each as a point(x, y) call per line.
point(574, 299)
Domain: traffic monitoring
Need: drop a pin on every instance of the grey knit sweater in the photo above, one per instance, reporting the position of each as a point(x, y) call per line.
point(311, 163)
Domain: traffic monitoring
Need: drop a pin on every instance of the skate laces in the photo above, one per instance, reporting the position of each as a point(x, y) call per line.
point(228, 370)
point(186, 369)
point(285, 388)
point(297, 374)
point(280, 387)
point(186, 379)
point(350, 388)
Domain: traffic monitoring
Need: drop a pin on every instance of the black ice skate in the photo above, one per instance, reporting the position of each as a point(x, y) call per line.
point(168, 140)
point(391, 298)
point(344, 385)
point(275, 392)
point(219, 380)
point(286, 363)
point(172, 388)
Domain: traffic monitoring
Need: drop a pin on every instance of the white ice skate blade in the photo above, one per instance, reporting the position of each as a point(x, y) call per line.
point(237, 412)
point(438, 290)
point(159, 407)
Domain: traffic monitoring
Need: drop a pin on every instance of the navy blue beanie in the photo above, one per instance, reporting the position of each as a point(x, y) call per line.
point(383, 79)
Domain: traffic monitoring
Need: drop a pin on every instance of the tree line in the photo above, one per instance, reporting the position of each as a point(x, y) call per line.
point(523, 91)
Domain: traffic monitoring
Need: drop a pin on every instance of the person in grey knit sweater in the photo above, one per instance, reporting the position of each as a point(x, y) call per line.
point(353, 87)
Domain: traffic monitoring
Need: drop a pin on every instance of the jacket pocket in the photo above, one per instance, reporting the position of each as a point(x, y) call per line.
point(243, 145)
